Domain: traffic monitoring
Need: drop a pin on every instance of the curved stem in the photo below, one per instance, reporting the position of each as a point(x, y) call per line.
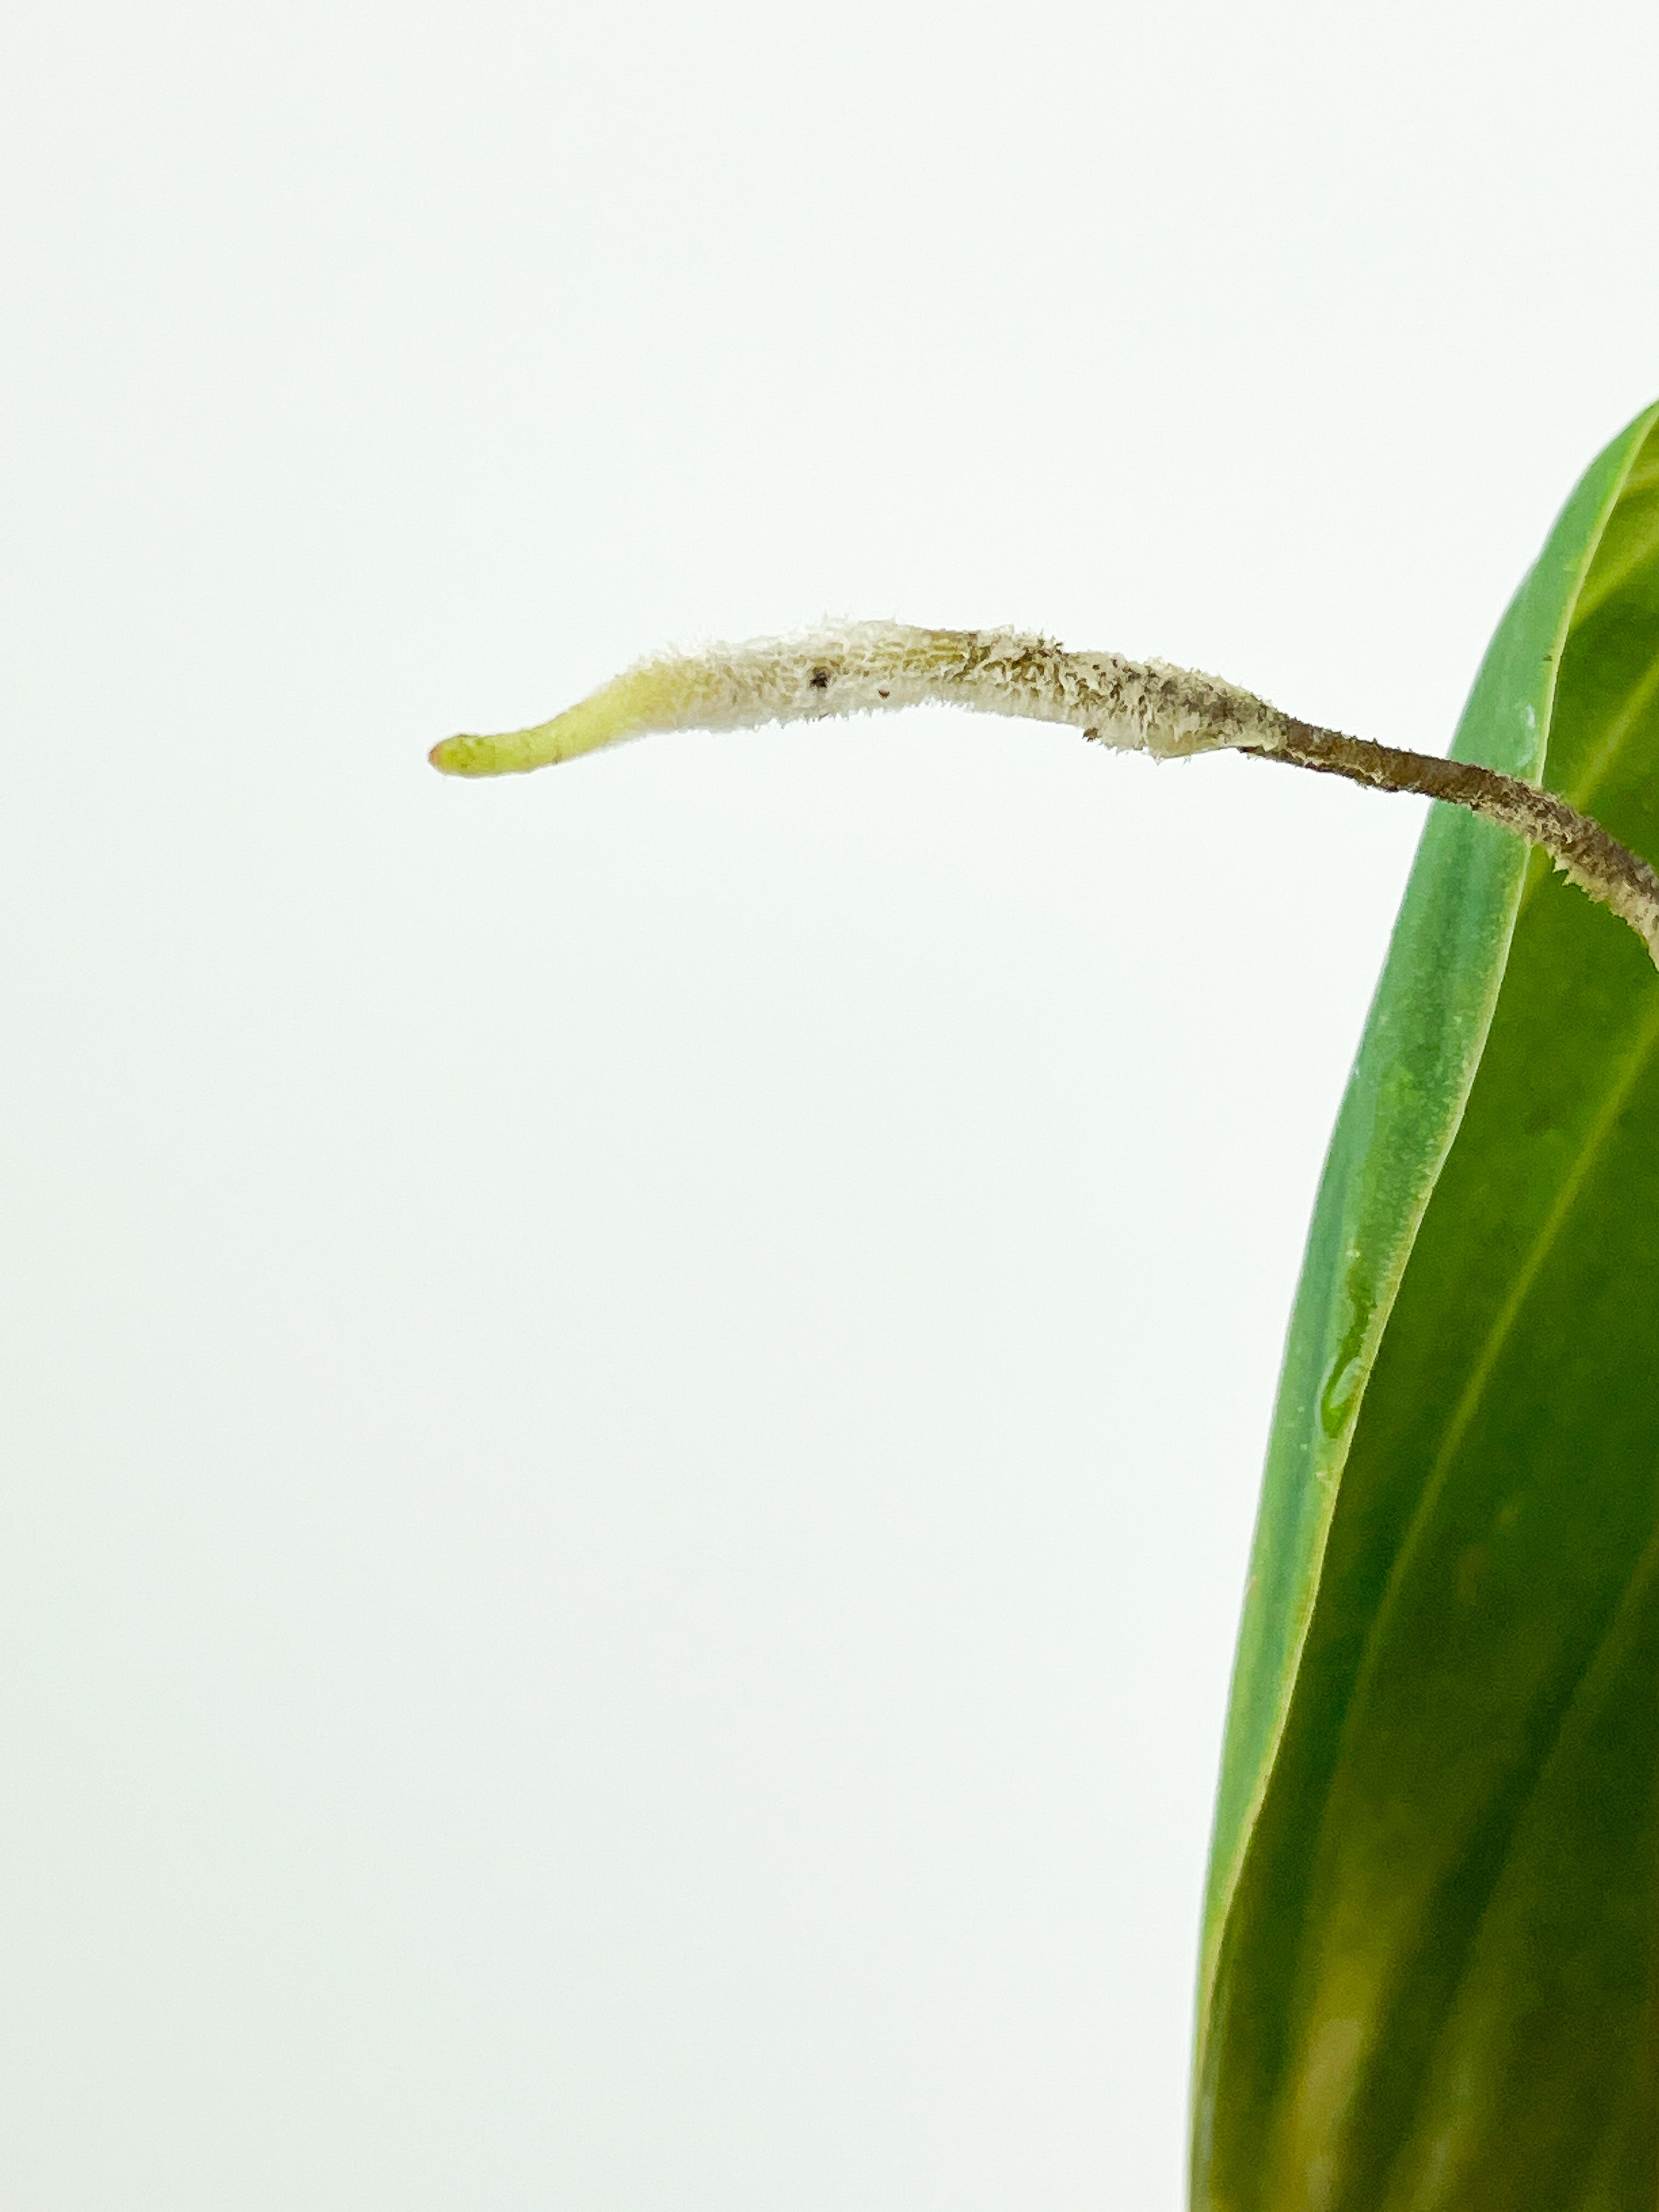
point(1608, 871)
point(1147, 707)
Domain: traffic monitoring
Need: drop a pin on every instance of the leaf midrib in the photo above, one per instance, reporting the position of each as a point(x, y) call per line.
point(1599, 591)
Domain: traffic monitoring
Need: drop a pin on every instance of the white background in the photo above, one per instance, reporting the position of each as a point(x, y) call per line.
point(631, 1400)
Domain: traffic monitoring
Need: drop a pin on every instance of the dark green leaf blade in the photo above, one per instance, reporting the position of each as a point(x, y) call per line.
point(1450, 1602)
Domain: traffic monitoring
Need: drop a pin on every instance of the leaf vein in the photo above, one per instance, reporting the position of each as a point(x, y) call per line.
point(1480, 1374)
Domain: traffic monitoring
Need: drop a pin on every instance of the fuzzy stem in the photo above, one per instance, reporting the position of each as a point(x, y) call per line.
point(1135, 705)
point(1600, 867)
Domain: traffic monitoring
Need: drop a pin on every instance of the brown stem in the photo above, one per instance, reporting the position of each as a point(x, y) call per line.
point(1597, 863)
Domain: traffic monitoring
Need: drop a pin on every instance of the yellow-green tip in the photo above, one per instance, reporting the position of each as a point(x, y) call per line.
point(663, 695)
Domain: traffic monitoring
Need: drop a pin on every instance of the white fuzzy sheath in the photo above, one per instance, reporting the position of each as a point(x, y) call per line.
point(1137, 706)
point(873, 667)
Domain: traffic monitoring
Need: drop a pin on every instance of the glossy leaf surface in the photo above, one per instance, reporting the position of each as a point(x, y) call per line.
point(1429, 1966)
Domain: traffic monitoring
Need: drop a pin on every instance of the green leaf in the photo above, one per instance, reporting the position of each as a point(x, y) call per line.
point(1429, 1970)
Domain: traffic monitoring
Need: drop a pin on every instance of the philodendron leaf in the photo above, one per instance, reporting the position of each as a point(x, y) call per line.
point(1429, 1966)
point(1430, 1970)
